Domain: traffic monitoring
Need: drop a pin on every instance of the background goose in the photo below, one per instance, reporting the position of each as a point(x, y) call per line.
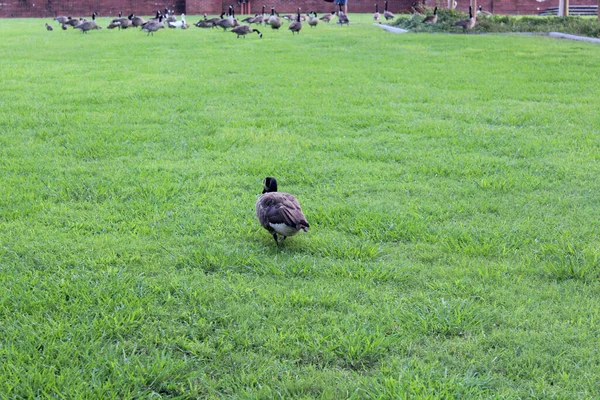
point(387, 14)
point(228, 22)
point(431, 19)
point(153, 26)
point(274, 20)
point(342, 17)
point(481, 12)
point(137, 21)
point(48, 27)
point(121, 23)
point(376, 16)
point(62, 19)
point(88, 25)
point(279, 213)
point(73, 22)
point(313, 21)
point(467, 23)
point(262, 17)
point(328, 17)
point(296, 26)
point(243, 30)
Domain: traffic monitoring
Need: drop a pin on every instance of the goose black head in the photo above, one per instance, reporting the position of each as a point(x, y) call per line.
point(269, 185)
point(130, 17)
point(258, 32)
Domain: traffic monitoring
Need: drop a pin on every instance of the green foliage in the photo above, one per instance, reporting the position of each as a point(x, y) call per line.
point(451, 183)
point(502, 23)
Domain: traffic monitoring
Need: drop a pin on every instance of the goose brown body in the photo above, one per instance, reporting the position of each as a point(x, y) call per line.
point(467, 23)
point(279, 213)
point(431, 19)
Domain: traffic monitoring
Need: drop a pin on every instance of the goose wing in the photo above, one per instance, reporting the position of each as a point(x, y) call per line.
point(280, 208)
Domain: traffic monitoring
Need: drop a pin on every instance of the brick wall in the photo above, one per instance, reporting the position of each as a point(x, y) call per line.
point(78, 8)
point(85, 8)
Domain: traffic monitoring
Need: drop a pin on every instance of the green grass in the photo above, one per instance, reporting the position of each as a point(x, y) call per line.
point(583, 26)
point(451, 183)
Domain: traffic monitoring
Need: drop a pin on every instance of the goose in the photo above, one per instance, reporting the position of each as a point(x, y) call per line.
point(279, 213)
point(296, 25)
point(153, 26)
point(48, 27)
point(243, 30)
point(228, 22)
point(342, 18)
point(120, 22)
point(260, 18)
point(467, 23)
point(431, 19)
point(137, 21)
point(274, 20)
point(328, 17)
point(177, 24)
point(62, 19)
point(74, 22)
point(376, 16)
point(481, 12)
point(214, 21)
point(387, 14)
point(89, 25)
point(170, 16)
point(64, 27)
point(158, 17)
point(313, 21)
point(207, 23)
point(250, 20)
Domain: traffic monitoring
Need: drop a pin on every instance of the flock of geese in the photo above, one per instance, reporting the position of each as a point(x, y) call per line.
point(226, 21)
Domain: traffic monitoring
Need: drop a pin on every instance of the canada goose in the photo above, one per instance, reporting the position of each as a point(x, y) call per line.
point(62, 19)
point(387, 14)
point(206, 23)
point(250, 19)
point(376, 16)
point(342, 18)
point(228, 22)
point(313, 21)
point(327, 17)
point(215, 20)
point(153, 26)
point(431, 19)
point(123, 23)
point(137, 21)
point(279, 213)
point(158, 17)
point(177, 24)
point(467, 23)
point(89, 25)
point(296, 25)
point(274, 20)
point(48, 27)
point(73, 22)
point(259, 18)
point(64, 27)
point(481, 12)
point(243, 30)
point(170, 16)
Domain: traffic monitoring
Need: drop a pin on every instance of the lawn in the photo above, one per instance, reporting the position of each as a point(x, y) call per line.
point(451, 183)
